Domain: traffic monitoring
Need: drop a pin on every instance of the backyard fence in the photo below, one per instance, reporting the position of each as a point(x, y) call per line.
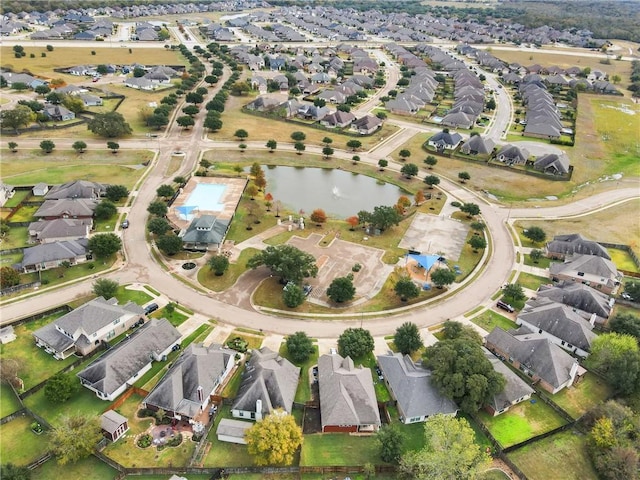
point(20, 413)
point(18, 288)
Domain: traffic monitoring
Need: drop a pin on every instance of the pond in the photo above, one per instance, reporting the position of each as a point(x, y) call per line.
point(340, 194)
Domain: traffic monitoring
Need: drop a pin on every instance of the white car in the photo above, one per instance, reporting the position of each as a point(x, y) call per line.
point(626, 296)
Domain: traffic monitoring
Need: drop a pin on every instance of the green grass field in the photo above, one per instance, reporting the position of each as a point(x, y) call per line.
point(338, 449)
point(88, 468)
point(532, 282)
point(125, 295)
point(175, 318)
point(9, 402)
point(207, 279)
point(581, 397)
point(622, 260)
point(303, 393)
point(489, 319)
point(224, 453)
point(543, 262)
point(563, 454)
point(16, 238)
point(18, 196)
point(521, 422)
point(19, 445)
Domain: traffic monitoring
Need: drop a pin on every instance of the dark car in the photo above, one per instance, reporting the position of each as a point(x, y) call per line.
point(125, 224)
point(505, 306)
point(379, 373)
point(307, 290)
point(152, 307)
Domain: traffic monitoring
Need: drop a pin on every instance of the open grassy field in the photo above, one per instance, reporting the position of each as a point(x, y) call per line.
point(614, 225)
point(134, 102)
point(19, 445)
point(581, 397)
point(564, 452)
point(88, 468)
point(9, 402)
point(106, 53)
point(28, 167)
point(521, 422)
point(489, 319)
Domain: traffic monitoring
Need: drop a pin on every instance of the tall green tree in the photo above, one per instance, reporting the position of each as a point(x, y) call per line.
point(75, 437)
point(431, 161)
point(450, 452)
point(300, 347)
point(432, 180)
point(274, 439)
point(103, 287)
point(157, 208)
point(535, 234)
point(47, 146)
point(218, 264)
point(287, 262)
point(169, 244)
point(105, 210)
point(61, 387)
point(293, 295)
point(18, 117)
point(617, 357)
point(626, 324)
point(109, 125)
point(407, 338)
point(390, 441)
point(105, 244)
point(471, 209)
point(514, 292)
point(158, 226)
point(409, 170)
point(442, 276)
point(355, 343)
point(9, 277)
point(165, 191)
point(341, 289)
point(116, 192)
point(406, 289)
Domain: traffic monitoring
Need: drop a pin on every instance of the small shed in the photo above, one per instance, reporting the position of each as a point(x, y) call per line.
point(232, 431)
point(40, 190)
point(113, 425)
point(7, 334)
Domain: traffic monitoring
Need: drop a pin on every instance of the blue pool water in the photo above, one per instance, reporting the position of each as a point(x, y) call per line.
point(205, 197)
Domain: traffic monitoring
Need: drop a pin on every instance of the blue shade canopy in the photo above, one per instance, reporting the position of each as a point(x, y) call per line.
point(425, 261)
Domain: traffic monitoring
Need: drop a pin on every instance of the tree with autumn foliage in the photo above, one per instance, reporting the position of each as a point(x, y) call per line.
point(275, 439)
point(353, 222)
point(268, 201)
point(318, 216)
point(419, 197)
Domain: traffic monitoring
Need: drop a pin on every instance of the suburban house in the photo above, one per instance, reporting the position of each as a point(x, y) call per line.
point(90, 100)
point(445, 141)
point(559, 323)
point(512, 155)
point(82, 330)
point(269, 382)
point(547, 364)
point(206, 232)
point(366, 125)
point(478, 146)
point(58, 113)
point(110, 374)
point(563, 245)
point(186, 389)
point(54, 254)
point(458, 120)
point(47, 231)
point(584, 300)
point(76, 189)
point(347, 396)
point(410, 385)
point(113, 425)
point(140, 83)
point(338, 119)
point(592, 270)
point(515, 389)
point(232, 431)
point(552, 163)
point(81, 208)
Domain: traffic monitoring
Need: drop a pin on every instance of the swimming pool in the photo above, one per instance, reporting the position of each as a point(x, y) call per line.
point(204, 198)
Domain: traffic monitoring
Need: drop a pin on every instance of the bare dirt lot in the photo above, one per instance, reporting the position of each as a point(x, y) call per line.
point(431, 234)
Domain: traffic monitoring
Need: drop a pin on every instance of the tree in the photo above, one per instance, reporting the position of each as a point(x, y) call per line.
point(158, 226)
point(632, 288)
point(390, 443)
point(239, 88)
point(327, 141)
point(353, 222)
point(450, 452)
point(194, 97)
point(211, 79)
point(165, 191)
point(13, 146)
point(272, 145)
point(73, 103)
point(8, 277)
point(404, 154)
point(354, 144)
point(292, 295)
point(105, 244)
point(355, 343)
point(105, 210)
point(491, 104)
point(60, 387)
point(109, 125)
point(42, 89)
point(536, 255)
point(14, 472)
point(287, 262)
point(464, 176)
point(355, 159)
point(169, 244)
point(471, 209)
point(617, 357)
point(514, 292)
point(157, 208)
point(341, 289)
point(75, 437)
point(419, 197)
point(103, 287)
point(47, 146)
point(405, 288)
point(407, 338)
point(327, 152)
point(274, 439)
point(185, 121)
point(318, 216)
point(219, 264)
point(18, 117)
point(113, 146)
point(116, 192)
point(431, 180)
point(431, 161)
point(158, 121)
point(462, 372)
point(626, 324)
point(300, 147)
point(300, 347)
point(252, 191)
point(212, 123)
point(409, 170)
point(190, 110)
point(241, 134)
point(535, 234)
point(477, 242)
point(382, 164)
point(298, 136)
point(442, 276)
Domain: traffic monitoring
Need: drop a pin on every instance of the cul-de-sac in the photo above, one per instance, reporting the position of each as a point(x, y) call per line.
point(320, 240)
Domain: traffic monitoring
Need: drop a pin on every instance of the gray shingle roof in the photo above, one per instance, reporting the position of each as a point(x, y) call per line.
point(514, 388)
point(110, 371)
point(412, 387)
point(111, 420)
point(60, 227)
point(198, 367)
point(576, 243)
point(593, 265)
point(71, 207)
point(76, 189)
point(578, 296)
point(270, 378)
point(54, 252)
point(206, 229)
point(233, 428)
point(347, 395)
point(478, 144)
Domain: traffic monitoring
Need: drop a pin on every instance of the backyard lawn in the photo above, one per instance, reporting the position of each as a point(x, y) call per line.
point(489, 319)
point(581, 397)
point(224, 453)
point(622, 260)
point(37, 365)
point(338, 449)
point(19, 445)
point(175, 318)
point(303, 393)
point(253, 341)
point(532, 282)
point(16, 238)
point(9, 403)
point(88, 468)
point(564, 452)
point(521, 422)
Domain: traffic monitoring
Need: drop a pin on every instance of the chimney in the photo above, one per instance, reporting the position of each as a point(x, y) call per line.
point(200, 394)
point(592, 320)
point(258, 409)
point(572, 373)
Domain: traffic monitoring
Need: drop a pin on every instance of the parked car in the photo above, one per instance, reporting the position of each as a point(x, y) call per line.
point(125, 224)
point(505, 306)
point(307, 290)
point(626, 296)
point(152, 307)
